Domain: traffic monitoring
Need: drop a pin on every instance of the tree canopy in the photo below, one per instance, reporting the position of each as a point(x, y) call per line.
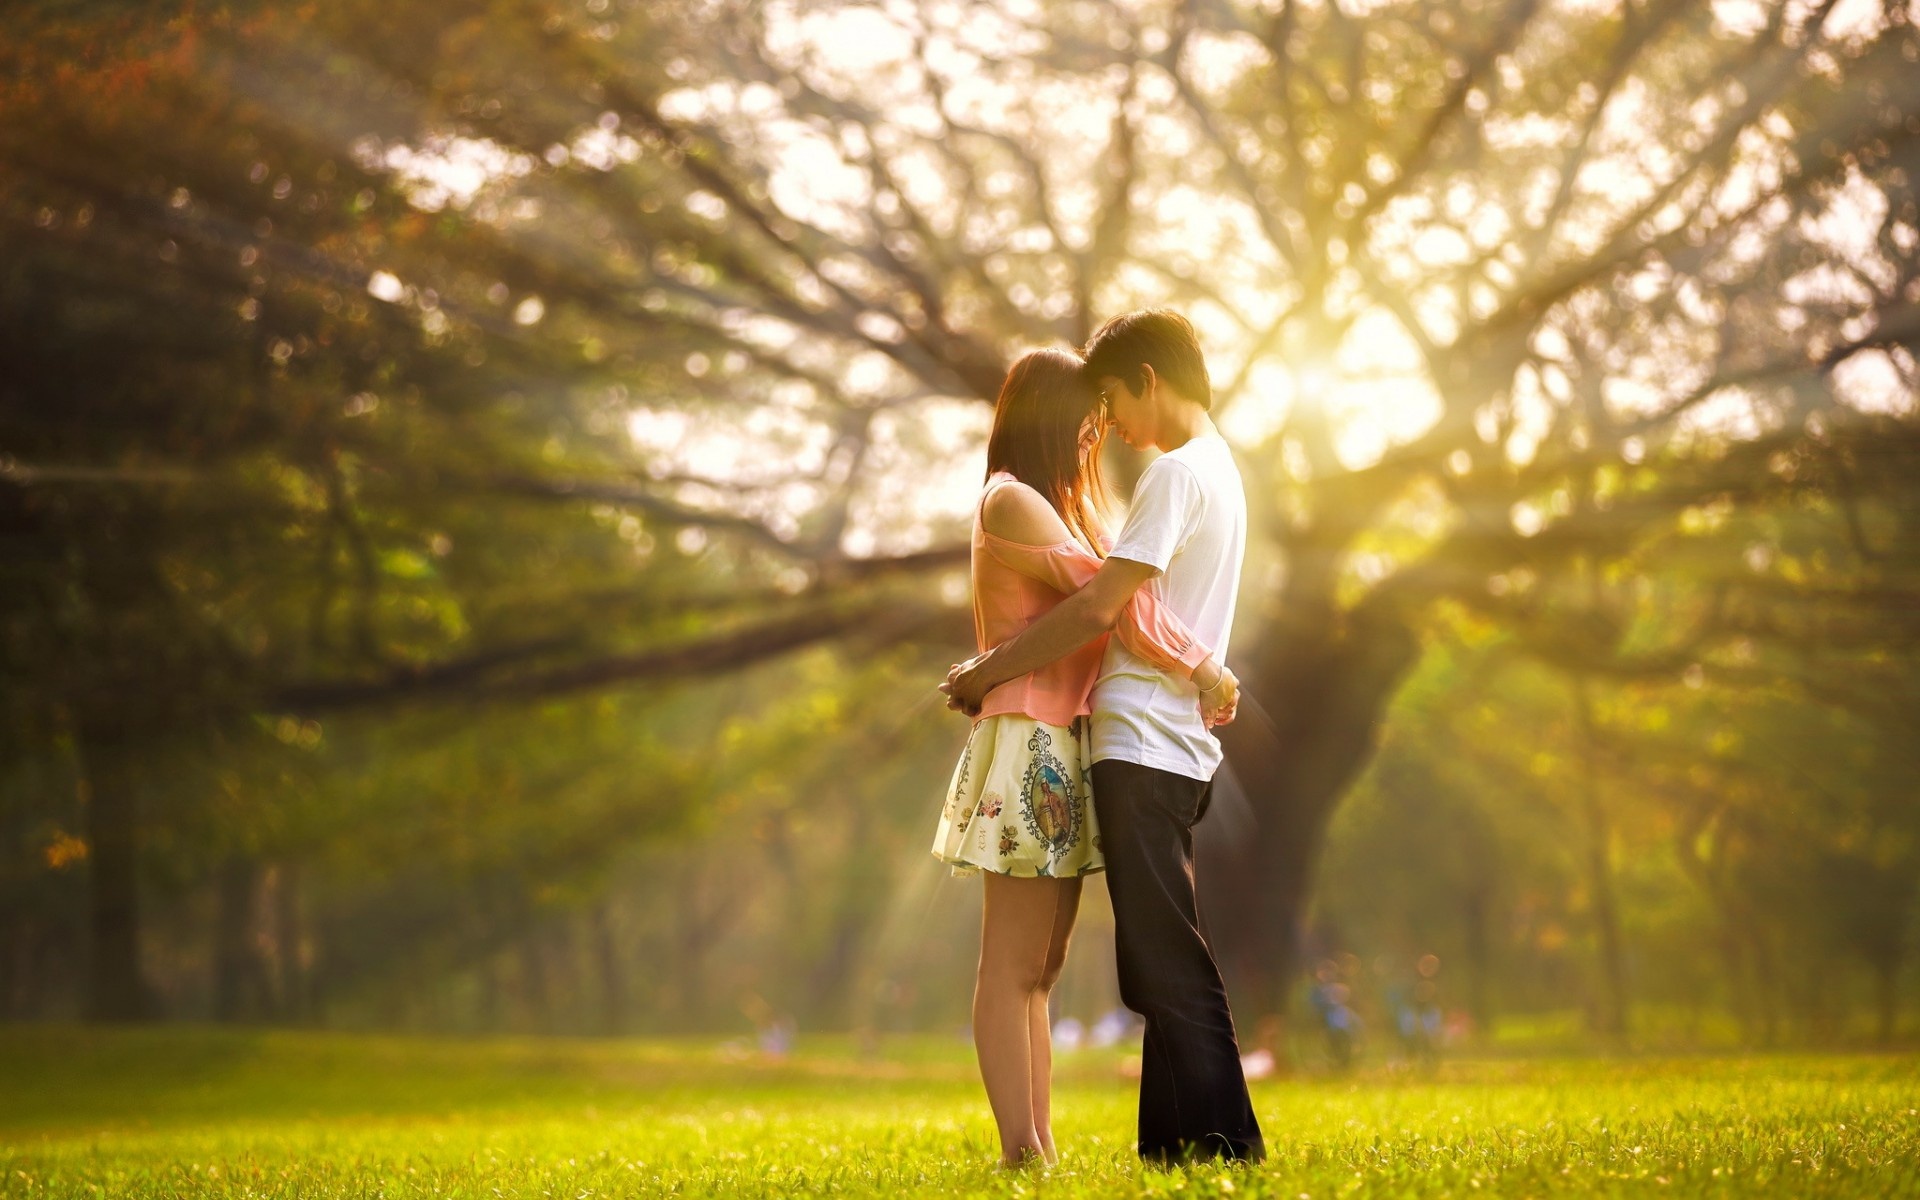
point(368, 363)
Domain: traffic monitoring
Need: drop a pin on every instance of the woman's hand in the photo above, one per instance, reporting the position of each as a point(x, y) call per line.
point(1220, 698)
point(964, 688)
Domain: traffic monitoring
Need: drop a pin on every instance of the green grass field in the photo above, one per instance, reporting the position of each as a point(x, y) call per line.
point(188, 1112)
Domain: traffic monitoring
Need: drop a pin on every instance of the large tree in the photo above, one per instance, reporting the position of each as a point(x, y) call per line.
point(1493, 293)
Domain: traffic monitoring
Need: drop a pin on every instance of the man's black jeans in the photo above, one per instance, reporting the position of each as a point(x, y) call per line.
point(1193, 1095)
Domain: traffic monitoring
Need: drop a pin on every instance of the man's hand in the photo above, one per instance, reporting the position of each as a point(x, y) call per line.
point(967, 686)
point(1220, 703)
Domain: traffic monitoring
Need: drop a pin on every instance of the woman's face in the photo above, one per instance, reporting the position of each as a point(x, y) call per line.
point(1092, 429)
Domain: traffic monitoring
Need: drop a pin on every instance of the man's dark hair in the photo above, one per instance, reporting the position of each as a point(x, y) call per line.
point(1158, 337)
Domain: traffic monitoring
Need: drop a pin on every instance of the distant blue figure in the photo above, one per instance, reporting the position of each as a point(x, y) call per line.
point(776, 1038)
point(1116, 1025)
point(1337, 1020)
point(1416, 1011)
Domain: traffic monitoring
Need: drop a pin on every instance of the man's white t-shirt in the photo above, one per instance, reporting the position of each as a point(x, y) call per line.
point(1189, 519)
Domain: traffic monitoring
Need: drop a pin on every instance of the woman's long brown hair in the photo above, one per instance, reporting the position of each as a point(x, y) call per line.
point(1043, 405)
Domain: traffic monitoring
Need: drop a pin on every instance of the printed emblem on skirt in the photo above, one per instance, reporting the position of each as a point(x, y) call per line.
point(1021, 801)
point(1052, 807)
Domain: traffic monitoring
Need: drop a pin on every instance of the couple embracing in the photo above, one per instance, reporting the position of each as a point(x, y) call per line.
point(1101, 676)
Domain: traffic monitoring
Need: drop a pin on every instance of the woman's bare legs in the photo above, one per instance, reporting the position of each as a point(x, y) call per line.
point(1039, 1026)
point(1023, 943)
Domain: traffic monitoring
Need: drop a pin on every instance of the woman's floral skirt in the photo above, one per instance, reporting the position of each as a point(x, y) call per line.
point(1021, 801)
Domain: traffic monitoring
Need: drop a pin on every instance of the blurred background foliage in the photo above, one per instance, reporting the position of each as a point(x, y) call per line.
point(483, 492)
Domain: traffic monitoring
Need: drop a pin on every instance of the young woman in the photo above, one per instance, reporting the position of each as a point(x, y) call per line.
point(1020, 806)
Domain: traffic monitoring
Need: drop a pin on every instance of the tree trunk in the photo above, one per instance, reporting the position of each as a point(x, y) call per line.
point(241, 987)
point(705, 911)
point(829, 998)
point(292, 988)
point(116, 990)
point(1611, 1019)
point(1313, 697)
point(1766, 986)
point(830, 985)
point(1886, 997)
point(1740, 998)
point(613, 980)
point(1479, 963)
point(13, 941)
point(45, 966)
point(1728, 921)
point(533, 982)
point(489, 998)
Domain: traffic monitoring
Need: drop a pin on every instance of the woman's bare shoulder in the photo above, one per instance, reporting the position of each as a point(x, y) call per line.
point(1017, 513)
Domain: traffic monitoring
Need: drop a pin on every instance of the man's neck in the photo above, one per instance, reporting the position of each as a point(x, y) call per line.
point(1183, 421)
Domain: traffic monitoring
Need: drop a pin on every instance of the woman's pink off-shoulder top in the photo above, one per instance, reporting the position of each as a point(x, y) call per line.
point(1014, 583)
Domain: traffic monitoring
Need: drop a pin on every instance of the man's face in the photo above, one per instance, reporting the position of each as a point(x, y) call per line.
point(1128, 412)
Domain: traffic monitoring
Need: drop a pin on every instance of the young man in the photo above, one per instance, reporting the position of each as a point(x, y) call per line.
point(1154, 758)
